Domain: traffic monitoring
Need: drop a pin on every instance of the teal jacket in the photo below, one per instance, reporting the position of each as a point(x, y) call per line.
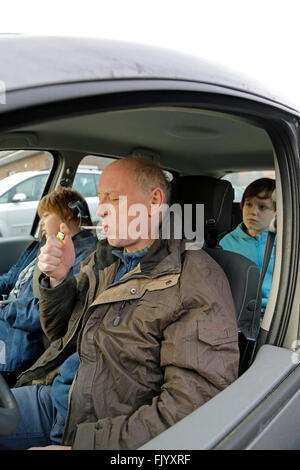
point(253, 248)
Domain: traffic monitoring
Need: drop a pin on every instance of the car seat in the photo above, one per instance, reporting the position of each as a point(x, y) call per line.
point(243, 275)
point(237, 216)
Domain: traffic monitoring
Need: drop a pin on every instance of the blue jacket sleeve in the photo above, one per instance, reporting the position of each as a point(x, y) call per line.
point(8, 280)
point(22, 315)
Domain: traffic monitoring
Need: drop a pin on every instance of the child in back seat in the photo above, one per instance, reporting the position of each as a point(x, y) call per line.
point(250, 236)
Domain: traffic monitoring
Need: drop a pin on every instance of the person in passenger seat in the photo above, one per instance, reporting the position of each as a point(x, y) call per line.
point(146, 334)
point(20, 327)
point(250, 236)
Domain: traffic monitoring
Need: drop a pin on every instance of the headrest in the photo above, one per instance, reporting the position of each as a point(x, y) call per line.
point(217, 196)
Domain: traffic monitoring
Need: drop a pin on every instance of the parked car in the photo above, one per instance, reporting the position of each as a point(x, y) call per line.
point(199, 121)
point(21, 192)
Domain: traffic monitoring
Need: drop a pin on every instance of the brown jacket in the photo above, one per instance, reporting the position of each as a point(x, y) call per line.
point(153, 347)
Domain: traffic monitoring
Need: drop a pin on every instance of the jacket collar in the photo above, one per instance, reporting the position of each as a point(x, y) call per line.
point(164, 256)
point(240, 231)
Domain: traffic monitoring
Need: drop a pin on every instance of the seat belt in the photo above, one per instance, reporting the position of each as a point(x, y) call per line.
point(267, 255)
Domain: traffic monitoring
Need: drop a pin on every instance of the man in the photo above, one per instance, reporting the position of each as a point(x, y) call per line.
point(157, 328)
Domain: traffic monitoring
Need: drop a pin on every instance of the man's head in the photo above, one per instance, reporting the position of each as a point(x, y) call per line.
point(257, 205)
point(131, 193)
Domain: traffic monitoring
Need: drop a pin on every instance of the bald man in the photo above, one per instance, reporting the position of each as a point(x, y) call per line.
point(146, 334)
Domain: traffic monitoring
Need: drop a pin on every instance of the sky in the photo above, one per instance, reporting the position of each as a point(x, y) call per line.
point(258, 38)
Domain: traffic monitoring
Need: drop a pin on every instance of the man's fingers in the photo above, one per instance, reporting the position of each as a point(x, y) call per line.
point(46, 267)
point(55, 257)
point(56, 252)
point(53, 245)
point(49, 259)
point(50, 256)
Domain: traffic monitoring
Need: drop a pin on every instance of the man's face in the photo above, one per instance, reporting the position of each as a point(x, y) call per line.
point(258, 212)
point(121, 205)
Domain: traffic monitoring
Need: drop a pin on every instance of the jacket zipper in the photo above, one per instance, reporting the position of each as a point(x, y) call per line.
point(118, 317)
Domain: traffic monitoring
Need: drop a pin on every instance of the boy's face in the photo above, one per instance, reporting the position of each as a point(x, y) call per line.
point(258, 212)
point(50, 223)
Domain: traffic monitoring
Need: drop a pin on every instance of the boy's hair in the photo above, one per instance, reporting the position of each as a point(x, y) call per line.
point(262, 185)
point(58, 201)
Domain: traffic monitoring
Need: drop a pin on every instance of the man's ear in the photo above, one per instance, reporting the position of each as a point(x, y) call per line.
point(157, 199)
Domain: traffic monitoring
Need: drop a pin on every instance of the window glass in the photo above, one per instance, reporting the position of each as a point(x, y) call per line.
point(31, 188)
point(87, 179)
point(23, 175)
point(86, 184)
point(241, 180)
point(4, 197)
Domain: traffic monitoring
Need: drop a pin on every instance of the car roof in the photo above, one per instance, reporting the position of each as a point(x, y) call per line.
point(53, 60)
point(164, 125)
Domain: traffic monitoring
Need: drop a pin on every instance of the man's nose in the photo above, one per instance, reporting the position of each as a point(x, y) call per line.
point(102, 209)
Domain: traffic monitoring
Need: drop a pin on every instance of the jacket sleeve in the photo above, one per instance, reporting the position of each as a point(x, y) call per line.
point(56, 305)
point(199, 356)
point(8, 280)
point(22, 315)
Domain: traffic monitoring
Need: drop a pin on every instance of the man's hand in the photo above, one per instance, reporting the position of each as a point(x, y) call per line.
point(50, 448)
point(57, 257)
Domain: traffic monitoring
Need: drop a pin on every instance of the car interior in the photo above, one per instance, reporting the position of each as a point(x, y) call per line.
point(197, 146)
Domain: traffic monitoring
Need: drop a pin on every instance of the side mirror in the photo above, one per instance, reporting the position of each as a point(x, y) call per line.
point(19, 197)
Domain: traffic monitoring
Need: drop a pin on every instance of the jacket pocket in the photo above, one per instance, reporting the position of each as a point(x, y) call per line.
point(215, 334)
point(218, 353)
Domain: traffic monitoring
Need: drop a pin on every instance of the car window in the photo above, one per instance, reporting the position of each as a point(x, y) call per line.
point(23, 176)
point(4, 197)
point(87, 179)
point(240, 180)
point(31, 188)
point(86, 184)
point(28, 190)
